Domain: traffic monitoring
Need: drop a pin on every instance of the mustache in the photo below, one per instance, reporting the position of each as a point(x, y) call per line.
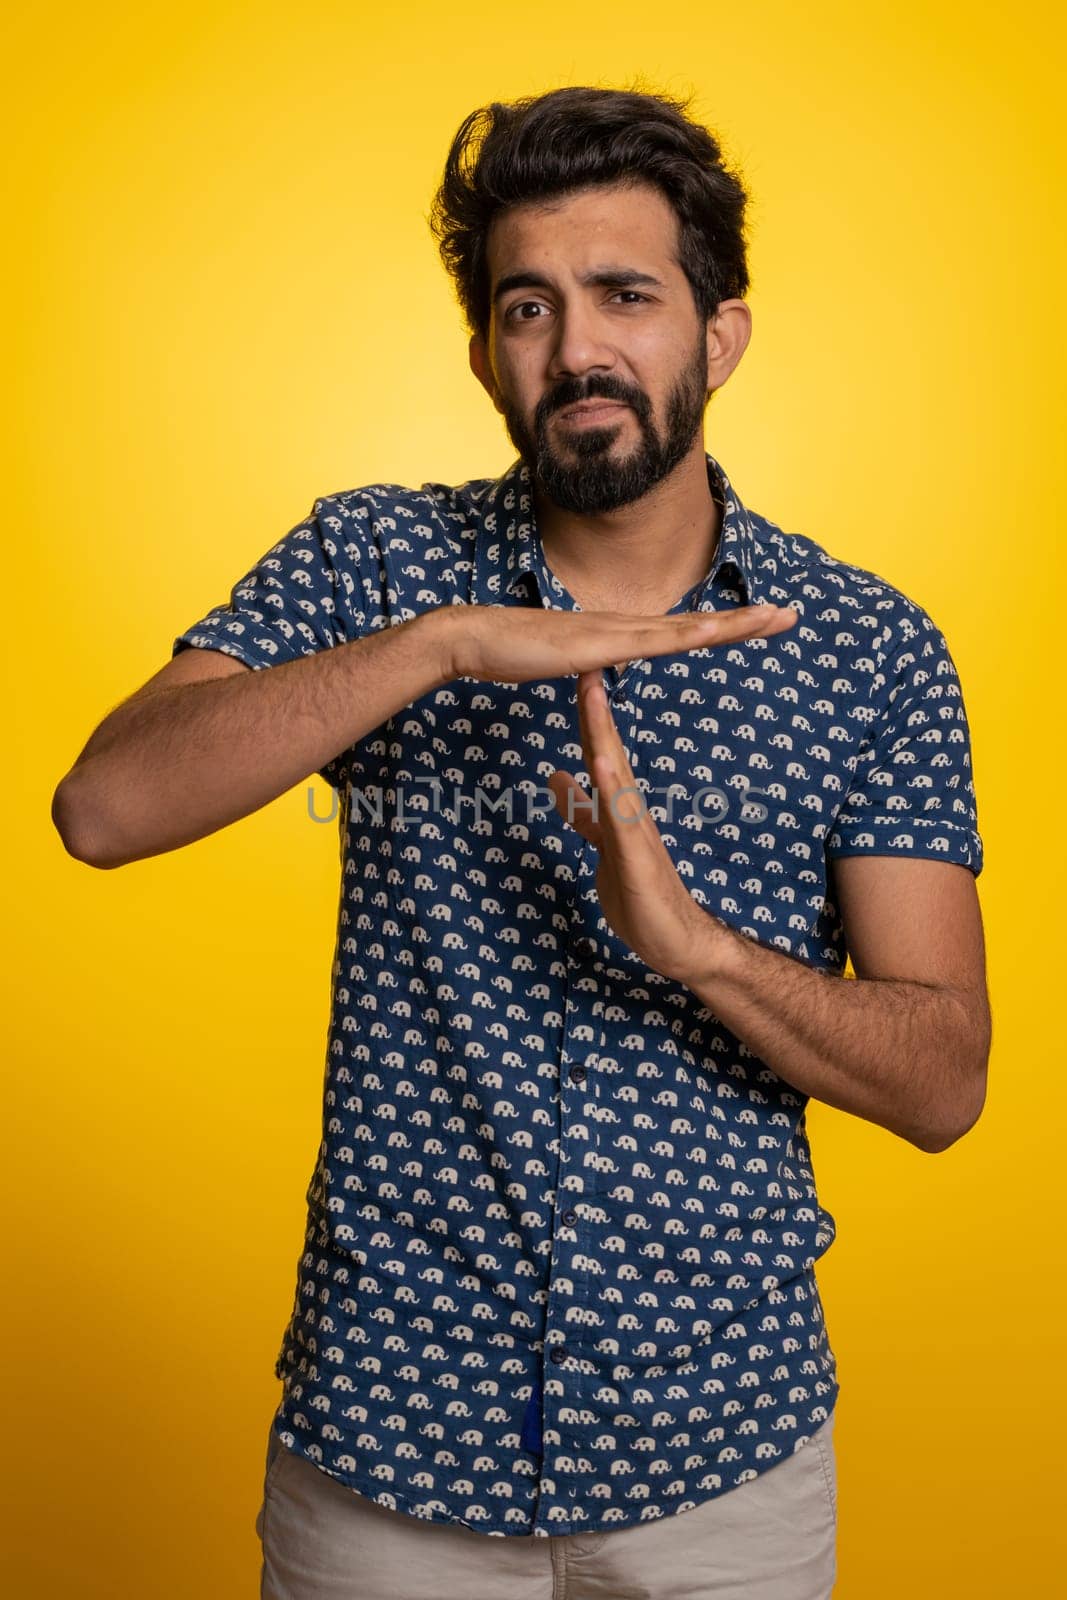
point(572, 393)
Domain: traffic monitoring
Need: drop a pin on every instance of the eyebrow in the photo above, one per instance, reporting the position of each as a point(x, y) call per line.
point(598, 277)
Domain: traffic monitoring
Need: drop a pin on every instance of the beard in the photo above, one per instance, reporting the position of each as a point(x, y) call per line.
point(588, 473)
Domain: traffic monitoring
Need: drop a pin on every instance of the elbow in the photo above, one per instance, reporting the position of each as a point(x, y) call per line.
point(75, 820)
point(933, 1143)
point(961, 1113)
point(958, 1120)
point(68, 820)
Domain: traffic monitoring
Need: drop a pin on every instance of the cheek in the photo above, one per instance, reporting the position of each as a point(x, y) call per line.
point(524, 391)
point(661, 360)
point(655, 373)
point(527, 373)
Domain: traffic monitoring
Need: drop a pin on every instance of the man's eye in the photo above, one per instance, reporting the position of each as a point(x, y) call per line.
point(514, 312)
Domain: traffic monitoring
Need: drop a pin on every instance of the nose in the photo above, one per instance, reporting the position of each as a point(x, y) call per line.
point(580, 345)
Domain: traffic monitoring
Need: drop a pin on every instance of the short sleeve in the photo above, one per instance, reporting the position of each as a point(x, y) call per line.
point(307, 593)
point(304, 595)
point(912, 793)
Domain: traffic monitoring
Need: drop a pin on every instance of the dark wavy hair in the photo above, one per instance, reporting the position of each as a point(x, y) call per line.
point(573, 138)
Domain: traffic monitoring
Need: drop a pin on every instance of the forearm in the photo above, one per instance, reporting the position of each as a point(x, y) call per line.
point(905, 1055)
point(171, 767)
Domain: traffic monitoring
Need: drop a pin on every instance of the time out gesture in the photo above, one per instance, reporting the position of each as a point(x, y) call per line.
point(641, 894)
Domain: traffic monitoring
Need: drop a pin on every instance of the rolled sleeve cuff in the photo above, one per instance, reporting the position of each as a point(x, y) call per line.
point(929, 838)
point(237, 641)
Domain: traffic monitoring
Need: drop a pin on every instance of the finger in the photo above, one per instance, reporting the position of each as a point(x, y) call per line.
point(596, 725)
point(576, 807)
point(624, 822)
point(585, 734)
point(655, 636)
point(600, 736)
point(602, 747)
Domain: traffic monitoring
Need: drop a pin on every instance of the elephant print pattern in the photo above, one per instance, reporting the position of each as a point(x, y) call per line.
point(562, 1225)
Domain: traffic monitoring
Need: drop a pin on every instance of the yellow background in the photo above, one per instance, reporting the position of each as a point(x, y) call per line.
point(224, 300)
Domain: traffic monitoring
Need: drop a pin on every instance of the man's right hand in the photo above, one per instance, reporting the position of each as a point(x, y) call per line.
point(179, 758)
point(513, 644)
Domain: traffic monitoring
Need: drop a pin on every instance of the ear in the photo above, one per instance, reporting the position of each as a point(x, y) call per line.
point(728, 333)
point(481, 366)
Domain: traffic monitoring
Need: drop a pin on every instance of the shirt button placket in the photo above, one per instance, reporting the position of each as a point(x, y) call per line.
point(578, 1016)
point(581, 1031)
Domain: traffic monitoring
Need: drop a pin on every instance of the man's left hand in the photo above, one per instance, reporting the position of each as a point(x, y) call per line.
point(641, 894)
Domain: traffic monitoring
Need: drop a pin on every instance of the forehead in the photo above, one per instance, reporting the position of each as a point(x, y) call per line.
point(631, 223)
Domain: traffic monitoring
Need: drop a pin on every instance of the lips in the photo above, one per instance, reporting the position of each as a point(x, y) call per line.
point(592, 408)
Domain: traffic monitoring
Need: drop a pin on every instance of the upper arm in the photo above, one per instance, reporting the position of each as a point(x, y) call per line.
point(917, 920)
point(913, 919)
point(320, 585)
point(904, 851)
point(190, 666)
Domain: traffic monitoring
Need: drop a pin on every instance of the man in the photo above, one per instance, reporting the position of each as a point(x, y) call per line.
point(625, 771)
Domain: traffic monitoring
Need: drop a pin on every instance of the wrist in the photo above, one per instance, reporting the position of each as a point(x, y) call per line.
point(441, 639)
point(708, 953)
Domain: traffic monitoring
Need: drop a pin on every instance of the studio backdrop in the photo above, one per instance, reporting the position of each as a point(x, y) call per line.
point(224, 302)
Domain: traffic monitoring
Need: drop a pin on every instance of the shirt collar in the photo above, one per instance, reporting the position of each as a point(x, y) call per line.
point(510, 554)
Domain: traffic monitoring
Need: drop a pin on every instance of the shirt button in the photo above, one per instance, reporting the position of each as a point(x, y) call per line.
point(577, 1074)
point(557, 1354)
point(570, 1217)
point(585, 947)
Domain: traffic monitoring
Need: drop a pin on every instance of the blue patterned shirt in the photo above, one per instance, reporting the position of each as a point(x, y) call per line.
point(562, 1227)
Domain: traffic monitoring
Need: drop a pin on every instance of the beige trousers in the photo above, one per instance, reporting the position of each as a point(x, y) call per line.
point(772, 1538)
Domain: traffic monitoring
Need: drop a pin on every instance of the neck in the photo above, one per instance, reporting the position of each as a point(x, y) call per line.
point(646, 553)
